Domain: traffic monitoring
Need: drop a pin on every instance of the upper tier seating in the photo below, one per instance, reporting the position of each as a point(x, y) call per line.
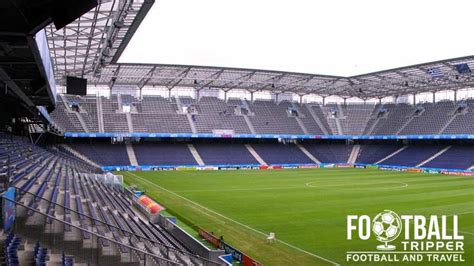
point(355, 119)
point(397, 116)
point(155, 114)
point(88, 110)
point(215, 114)
point(66, 120)
point(271, 118)
point(308, 120)
point(431, 120)
point(463, 122)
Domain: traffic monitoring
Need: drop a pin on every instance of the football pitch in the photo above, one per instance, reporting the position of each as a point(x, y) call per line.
point(306, 208)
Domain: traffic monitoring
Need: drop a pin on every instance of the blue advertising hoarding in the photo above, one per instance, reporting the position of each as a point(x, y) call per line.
point(8, 208)
point(267, 136)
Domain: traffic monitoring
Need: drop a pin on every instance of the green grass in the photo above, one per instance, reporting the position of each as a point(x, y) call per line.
point(306, 208)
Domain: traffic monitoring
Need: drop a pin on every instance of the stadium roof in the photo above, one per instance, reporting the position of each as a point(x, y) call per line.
point(96, 39)
point(91, 46)
point(428, 77)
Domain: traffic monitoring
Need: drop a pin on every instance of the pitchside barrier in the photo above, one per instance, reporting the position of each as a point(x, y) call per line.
point(169, 223)
point(446, 171)
point(153, 210)
point(221, 244)
point(263, 136)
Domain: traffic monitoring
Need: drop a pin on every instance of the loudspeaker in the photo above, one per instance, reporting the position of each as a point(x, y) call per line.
point(76, 86)
point(66, 11)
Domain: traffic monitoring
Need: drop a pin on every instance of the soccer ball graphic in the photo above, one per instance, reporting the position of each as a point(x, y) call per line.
point(387, 226)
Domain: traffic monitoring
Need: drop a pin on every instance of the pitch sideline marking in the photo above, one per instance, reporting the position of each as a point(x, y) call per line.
point(403, 185)
point(232, 220)
point(240, 189)
point(465, 232)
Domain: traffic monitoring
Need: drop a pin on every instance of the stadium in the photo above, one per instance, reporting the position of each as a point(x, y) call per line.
point(107, 162)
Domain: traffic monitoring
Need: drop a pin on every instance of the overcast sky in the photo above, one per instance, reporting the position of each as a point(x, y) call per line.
point(334, 37)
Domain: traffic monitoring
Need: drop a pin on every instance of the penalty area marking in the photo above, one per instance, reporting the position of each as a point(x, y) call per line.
point(348, 187)
point(232, 220)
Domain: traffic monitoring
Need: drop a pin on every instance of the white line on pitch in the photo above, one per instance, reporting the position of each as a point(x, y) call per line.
point(341, 186)
point(465, 232)
point(225, 217)
point(240, 189)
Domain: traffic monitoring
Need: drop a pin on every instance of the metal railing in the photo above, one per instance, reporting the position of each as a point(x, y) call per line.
point(167, 249)
point(143, 255)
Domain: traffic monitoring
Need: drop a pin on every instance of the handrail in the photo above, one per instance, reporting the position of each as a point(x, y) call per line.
point(100, 221)
point(184, 252)
point(93, 233)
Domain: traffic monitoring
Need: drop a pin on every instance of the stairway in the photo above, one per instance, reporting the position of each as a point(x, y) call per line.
point(255, 154)
point(434, 156)
point(131, 154)
point(81, 121)
point(392, 154)
point(100, 117)
point(374, 124)
point(340, 111)
point(245, 104)
point(129, 122)
point(191, 123)
point(302, 126)
point(195, 154)
point(316, 119)
point(65, 103)
point(307, 153)
point(178, 104)
point(354, 153)
point(338, 126)
point(119, 102)
point(404, 125)
point(249, 124)
point(376, 119)
point(447, 124)
point(78, 115)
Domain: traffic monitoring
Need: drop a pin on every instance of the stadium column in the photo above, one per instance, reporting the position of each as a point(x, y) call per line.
point(414, 98)
point(434, 97)
point(455, 96)
point(301, 99)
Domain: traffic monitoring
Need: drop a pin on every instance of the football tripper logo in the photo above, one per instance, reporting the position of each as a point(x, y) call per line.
point(387, 226)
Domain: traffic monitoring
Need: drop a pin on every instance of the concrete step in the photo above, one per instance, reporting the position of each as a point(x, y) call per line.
point(255, 154)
